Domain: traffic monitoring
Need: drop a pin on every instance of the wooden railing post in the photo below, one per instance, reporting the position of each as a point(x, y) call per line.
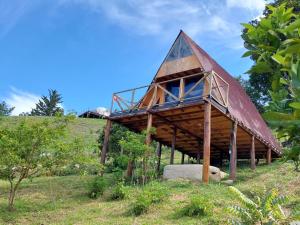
point(232, 151)
point(181, 89)
point(269, 156)
point(105, 142)
point(173, 145)
point(252, 153)
point(206, 142)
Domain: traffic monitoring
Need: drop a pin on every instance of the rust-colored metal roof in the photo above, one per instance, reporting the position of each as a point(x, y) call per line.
point(240, 106)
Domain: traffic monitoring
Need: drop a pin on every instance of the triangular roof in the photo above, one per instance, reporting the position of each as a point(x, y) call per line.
point(240, 105)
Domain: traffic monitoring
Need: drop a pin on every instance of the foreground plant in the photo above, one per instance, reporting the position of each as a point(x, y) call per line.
point(265, 210)
point(30, 147)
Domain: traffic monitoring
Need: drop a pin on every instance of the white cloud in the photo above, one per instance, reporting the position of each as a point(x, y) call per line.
point(12, 11)
point(22, 101)
point(251, 5)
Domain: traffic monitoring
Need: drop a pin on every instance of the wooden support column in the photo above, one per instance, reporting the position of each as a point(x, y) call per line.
point(232, 151)
point(158, 153)
point(206, 142)
point(252, 153)
point(105, 142)
point(173, 145)
point(182, 158)
point(149, 126)
point(269, 156)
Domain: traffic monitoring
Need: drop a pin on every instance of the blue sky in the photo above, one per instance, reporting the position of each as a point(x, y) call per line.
point(88, 49)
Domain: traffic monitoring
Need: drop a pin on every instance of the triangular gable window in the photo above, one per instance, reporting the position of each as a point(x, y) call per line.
point(179, 50)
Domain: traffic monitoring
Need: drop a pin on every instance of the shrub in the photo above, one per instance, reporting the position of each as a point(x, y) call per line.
point(141, 205)
point(198, 206)
point(97, 187)
point(153, 193)
point(119, 192)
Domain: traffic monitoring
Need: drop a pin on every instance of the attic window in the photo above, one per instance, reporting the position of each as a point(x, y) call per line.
point(179, 50)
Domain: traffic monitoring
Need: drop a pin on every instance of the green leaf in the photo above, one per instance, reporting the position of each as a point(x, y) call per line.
point(279, 59)
point(260, 67)
point(293, 26)
point(248, 53)
point(277, 116)
point(295, 105)
point(283, 81)
point(248, 26)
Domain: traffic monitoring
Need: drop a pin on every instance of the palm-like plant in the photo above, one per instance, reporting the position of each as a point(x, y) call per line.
point(265, 210)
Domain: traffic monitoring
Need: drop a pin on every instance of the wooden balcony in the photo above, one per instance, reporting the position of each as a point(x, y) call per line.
point(158, 96)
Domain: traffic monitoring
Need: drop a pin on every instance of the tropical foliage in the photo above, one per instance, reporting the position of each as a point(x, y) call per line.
point(274, 44)
point(259, 83)
point(262, 210)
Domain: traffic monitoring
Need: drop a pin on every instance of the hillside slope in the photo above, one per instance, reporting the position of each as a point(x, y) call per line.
point(63, 200)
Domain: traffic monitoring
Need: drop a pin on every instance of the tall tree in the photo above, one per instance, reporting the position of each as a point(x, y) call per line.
point(5, 110)
point(48, 106)
point(259, 81)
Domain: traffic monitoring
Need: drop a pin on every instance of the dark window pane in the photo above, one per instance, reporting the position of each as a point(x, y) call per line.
point(172, 87)
point(197, 91)
point(179, 50)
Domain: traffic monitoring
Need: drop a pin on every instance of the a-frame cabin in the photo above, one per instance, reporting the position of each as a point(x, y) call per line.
point(198, 109)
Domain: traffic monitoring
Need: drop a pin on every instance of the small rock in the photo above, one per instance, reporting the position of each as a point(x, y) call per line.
point(228, 182)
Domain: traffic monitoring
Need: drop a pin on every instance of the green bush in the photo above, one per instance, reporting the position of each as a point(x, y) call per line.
point(198, 206)
point(97, 187)
point(119, 192)
point(141, 205)
point(153, 193)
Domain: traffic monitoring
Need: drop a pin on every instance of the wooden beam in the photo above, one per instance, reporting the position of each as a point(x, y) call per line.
point(269, 156)
point(182, 158)
point(158, 154)
point(252, 153)
point(105, 142)
point(173, 145)
point(206, 142)
point(181, 89)
point(232, 151)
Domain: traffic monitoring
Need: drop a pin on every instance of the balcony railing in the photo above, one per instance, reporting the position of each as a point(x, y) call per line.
point(169, 93)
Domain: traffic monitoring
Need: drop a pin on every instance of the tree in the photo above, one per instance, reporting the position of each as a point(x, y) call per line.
point(275, 44)
point(5, 110)
point(31, 146)
point(260, 80)
point(135, 147)
point(48, 106)
point(265, 210)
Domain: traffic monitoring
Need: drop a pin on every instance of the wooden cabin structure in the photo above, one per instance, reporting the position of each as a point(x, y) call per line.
point(198, 109)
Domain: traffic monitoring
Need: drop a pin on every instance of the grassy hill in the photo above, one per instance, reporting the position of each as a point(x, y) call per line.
point(64, 200)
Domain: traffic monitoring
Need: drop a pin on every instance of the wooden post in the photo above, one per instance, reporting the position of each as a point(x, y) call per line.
point(232, 151)
point(182, 158)
point(252, 153)
point(206, 142)
point(269, 156)
point(149, 126)
point(105, 142)
point(181, 89)
point(173, 145)
point(158, 153)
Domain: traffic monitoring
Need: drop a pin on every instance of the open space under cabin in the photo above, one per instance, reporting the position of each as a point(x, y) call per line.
point(198, 109)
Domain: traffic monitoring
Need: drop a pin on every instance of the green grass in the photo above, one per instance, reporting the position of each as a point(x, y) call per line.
point(88, 129)
point(63, 200)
